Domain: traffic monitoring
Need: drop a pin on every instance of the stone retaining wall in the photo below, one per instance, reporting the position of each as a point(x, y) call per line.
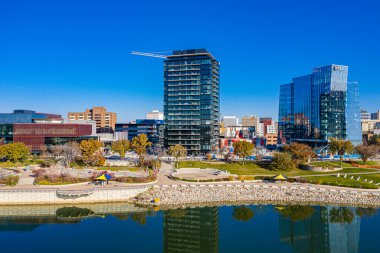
point(318, 169)
point(192, 194)
point(51, 196)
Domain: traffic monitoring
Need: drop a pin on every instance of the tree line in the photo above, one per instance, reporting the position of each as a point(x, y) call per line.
point(89, 152)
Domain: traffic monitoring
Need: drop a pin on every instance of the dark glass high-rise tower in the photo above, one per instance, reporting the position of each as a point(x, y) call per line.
point(191, 100)
point(191, 230)
point(326, 230)
point(316, 107)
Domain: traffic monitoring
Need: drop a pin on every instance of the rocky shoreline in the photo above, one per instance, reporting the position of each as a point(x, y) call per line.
point(190, 195)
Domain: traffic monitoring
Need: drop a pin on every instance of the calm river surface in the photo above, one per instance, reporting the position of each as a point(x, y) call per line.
point(126, 228)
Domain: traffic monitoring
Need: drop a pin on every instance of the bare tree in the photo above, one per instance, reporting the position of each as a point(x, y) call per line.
point(177, 151)
point(44, 151)
point(66, 152)
point(367, 151)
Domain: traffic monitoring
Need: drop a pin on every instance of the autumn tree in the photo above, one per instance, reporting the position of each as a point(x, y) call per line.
point(139, 218)
point(375, 140)
point(176, 213)
point(282, 161)
point(341, 215)
point(299, 152)
point(340, 147)
point(367, 151)
point(92, 153)
point(296, 212)
point(139, 144)
point(121, 147)
point(243, 149)
point(177, 151)
point(242, 213)
point(14, 152)
point(366, 212)
point(67, 152)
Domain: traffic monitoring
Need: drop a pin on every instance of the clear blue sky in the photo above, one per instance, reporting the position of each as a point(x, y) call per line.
point(67, 55)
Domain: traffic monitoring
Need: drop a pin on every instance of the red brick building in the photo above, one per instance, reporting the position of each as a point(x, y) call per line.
point(39, 135)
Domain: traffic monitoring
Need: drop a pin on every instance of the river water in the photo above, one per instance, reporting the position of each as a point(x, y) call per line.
point(249, 228)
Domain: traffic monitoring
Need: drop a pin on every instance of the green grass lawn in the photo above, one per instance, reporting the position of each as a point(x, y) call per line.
point(367, 163)
point(351, 170)
point(347, 182)
point(334, 164)
point(252, 168)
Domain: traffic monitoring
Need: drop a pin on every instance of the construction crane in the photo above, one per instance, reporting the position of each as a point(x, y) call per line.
point(153, 54)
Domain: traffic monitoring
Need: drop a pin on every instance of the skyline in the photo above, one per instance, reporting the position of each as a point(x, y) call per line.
point(54, 50)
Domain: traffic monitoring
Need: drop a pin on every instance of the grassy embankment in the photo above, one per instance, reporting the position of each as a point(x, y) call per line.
point(348, 182)
point(253, 168)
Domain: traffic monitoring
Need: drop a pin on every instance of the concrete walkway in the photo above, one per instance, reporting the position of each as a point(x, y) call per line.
point(164, 173)
point(26, 179)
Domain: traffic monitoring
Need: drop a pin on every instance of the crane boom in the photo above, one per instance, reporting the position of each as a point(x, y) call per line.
point(149, 54)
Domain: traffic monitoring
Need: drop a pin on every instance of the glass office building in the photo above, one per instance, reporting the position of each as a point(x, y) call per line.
point(353, 128)
point(316, 107)
point(25, 116)
point(191, 101)
point(154, 129)
point(302, 107)
point(7, 120)
point(285, 114)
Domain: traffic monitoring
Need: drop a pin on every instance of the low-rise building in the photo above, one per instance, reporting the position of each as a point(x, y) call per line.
point(368, 125)
point(271, 129)
point(230, 121)
point(364, 115)
point(250, 121)
point(20, 116)
point(271, 139)
point(375, 115)
point(25, 116)
point(376, 128)
point(40, 130)
point(155, 114)
point(37, 136)
point(105, 121)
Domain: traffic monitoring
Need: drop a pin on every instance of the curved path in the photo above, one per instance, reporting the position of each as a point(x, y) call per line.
point(166, 169)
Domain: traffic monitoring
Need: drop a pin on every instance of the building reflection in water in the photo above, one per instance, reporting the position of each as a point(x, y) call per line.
point(326, 230)
point(191, 230)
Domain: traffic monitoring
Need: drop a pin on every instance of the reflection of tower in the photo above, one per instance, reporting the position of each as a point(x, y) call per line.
point(318, 234)
point(191, 230)
point(344, 237)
